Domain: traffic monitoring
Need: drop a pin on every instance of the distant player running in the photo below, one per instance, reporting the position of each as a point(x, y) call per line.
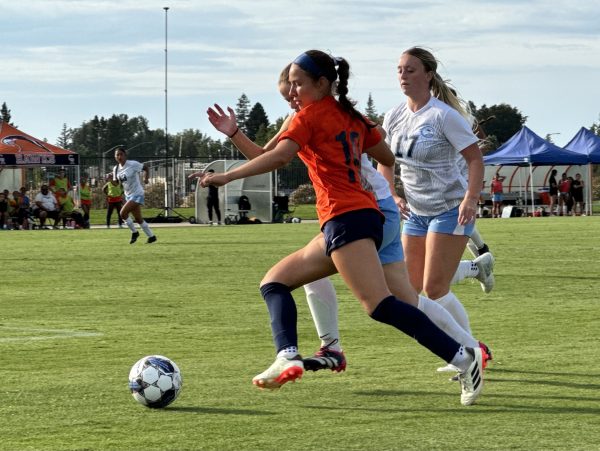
point(128, 173)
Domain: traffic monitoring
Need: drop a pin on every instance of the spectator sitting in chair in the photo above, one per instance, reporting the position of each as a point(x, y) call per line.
point(24, 206)
point(45, 207)
point(67, 209)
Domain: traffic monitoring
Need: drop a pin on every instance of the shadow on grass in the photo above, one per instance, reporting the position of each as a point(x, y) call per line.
point(480, 407)
point(217, 411)
point(542, 373)
point(500, 396)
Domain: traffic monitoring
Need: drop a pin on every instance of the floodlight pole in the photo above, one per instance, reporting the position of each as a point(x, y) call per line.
point(167, 181)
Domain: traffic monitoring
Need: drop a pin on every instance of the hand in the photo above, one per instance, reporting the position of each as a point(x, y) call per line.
point(225, 124)
point(214, 179)
point(467, 211)
point(402, 207)
point(196, 175)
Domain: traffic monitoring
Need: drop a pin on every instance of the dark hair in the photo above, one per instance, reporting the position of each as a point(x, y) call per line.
point(320, 64)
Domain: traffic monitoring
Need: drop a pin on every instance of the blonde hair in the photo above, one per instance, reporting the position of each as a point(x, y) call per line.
point(440, 88)
point(285, 75)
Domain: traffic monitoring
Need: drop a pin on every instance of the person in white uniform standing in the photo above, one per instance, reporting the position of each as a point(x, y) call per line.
point(427, 133)
point(128, 173)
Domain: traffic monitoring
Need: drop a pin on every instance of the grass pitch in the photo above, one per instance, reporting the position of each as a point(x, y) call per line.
point(78, 308)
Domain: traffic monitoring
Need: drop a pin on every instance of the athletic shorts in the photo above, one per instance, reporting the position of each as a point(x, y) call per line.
point(446, 222)
point(353, 226)
point(497, 197)
point(390, 250)
point(137, 198)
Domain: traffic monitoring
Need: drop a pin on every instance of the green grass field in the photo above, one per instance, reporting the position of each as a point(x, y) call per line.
point(78, 308)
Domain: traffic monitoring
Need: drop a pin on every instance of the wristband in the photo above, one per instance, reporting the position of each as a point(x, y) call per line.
point(236, 130)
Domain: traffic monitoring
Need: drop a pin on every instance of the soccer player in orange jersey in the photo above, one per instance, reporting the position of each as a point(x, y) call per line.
point(330, 136)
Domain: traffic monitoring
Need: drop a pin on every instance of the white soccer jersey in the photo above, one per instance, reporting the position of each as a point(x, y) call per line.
point(372, 180)
point(427, 144)
point(129, 176)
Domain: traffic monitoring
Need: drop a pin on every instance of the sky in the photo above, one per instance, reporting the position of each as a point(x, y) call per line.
point(65, 61)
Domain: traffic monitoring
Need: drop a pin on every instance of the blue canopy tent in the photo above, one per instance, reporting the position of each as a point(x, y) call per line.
point(525, 148)
point(587, 143)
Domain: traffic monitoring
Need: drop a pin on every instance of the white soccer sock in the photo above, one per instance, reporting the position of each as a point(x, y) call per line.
point(462, 359)
point(473, 248)
point(451, 303)
point(465, 269)
point(322, 302)
point(289, 353)
point(444, 320)
point(146, 228)
point(130, 224)
point(477, 239)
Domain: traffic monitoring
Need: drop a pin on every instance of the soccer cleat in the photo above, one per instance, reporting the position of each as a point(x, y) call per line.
point(485, 264)
point(326, 359)
point(471, 380)
point(486, 354)
point(151, 239)
point(281, 371)
point(134, 237)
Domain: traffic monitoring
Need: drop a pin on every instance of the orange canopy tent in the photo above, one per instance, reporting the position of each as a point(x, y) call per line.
point(18, 149)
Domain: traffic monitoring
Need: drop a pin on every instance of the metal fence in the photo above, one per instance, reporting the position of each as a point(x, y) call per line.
point(174, 170)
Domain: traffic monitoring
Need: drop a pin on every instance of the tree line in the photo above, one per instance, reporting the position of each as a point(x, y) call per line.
point(96, 137)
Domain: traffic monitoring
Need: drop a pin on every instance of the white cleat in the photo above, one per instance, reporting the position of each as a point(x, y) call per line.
point(471, 380)
point(280, 372)
point(485, 264)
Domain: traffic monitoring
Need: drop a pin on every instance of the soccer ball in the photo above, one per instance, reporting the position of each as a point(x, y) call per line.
point(155, 381)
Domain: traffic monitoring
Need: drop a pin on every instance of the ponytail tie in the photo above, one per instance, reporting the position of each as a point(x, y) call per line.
point(337, 60)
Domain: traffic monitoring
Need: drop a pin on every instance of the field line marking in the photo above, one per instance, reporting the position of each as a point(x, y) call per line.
point(55, 334)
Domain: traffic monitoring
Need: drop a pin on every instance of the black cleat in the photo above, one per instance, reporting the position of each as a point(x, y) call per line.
point(134, 237)
point(151, 239)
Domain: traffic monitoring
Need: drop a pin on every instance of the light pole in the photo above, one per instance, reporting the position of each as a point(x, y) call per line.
point(549, 136)
point(167, 180)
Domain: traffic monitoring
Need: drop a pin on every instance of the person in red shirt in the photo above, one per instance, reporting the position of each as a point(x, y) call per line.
point(496, 191)
point(564, 190)
point(329, 136)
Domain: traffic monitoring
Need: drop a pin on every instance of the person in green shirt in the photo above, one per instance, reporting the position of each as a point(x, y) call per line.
point(114, 197)
point(67, 210)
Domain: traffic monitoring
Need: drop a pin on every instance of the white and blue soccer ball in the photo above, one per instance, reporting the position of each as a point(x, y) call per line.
point(155, 381)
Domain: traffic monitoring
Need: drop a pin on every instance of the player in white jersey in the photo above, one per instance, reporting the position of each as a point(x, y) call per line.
point(427, 135)
point(128, 172)
point(320, 294)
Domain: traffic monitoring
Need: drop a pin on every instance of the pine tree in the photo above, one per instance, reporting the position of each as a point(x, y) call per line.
point(370, 111)
point(256, 118)
point(242, 110)
point(5, 114)
point(65, 137)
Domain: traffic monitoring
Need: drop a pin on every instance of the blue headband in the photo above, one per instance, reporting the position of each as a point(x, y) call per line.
point(308, 64)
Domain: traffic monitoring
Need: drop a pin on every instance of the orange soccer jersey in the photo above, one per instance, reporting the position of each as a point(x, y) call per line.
point(331, 143)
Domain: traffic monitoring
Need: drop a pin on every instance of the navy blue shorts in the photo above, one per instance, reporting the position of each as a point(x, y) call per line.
point(353, 226)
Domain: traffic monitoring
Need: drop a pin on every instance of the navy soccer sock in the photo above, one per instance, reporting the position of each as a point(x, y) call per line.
point(414, 323)
point(284, 316)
